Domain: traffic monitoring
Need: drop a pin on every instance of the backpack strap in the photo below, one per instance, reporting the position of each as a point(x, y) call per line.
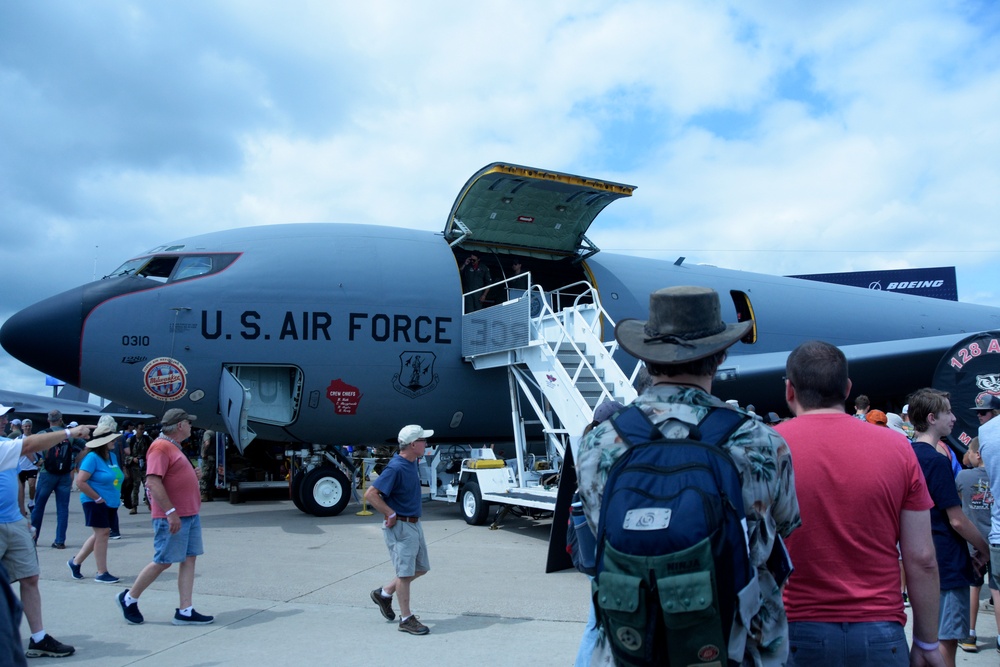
point(718, 425)
point(636, 428)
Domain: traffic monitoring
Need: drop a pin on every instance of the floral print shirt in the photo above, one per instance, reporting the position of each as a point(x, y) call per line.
point(765, 466)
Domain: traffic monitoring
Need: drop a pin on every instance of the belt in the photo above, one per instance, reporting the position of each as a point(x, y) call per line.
point(408, 519)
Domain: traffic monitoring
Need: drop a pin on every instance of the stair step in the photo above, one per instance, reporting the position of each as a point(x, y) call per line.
point(573, 359)
point(585, 385)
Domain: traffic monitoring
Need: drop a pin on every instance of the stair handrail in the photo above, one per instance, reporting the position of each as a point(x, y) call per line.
point(564, 336)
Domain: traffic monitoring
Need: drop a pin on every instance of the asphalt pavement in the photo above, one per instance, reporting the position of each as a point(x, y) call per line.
point(288, 588)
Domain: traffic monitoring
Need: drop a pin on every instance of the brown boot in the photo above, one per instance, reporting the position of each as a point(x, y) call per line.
point(133, 511)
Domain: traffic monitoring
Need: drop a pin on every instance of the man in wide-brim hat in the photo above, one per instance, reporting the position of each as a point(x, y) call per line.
point(682, 344)
point(685, 324)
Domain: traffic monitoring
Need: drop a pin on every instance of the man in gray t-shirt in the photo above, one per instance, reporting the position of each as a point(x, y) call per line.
point(977, 503)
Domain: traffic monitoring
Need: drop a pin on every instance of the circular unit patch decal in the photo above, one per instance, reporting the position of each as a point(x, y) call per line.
point(165, 379)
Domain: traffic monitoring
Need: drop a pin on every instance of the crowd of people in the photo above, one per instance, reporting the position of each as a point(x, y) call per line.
point(846, 518)
point(872, 510)
point(96, 459)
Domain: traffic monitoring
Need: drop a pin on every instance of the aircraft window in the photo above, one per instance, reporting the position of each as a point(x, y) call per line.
point(189, 267)
point(744, 312)
point(159, 268)
point(182, 267)
point(126, 269)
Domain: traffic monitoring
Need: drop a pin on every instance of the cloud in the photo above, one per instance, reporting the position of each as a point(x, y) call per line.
point(791, 139)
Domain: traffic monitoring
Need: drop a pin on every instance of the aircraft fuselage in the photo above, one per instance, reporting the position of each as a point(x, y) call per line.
point(346, 332)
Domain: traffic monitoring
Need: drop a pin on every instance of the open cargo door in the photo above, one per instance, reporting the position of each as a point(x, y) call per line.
point(507, 208)
point(234, 399)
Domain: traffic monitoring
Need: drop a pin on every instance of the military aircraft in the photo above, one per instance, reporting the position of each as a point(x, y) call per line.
point(37, 408)
point(339, 334)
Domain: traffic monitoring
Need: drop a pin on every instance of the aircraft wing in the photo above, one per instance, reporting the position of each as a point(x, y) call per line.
point(38, 407)
point(878, 369)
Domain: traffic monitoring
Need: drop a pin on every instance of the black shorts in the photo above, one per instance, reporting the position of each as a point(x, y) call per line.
point(25, 475)
point(97, 515)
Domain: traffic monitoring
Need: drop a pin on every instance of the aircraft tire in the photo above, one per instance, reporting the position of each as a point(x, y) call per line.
point(474, 510)
point(295, 490)
point(325, 491)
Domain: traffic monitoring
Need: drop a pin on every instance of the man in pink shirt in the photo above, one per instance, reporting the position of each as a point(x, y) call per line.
point(175, 502)
point(861, 491)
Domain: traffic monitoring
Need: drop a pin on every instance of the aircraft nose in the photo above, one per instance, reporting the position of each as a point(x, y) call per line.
point(47, 336)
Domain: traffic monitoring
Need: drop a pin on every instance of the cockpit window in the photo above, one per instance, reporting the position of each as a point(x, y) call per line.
point(189, 267)
point(128, 268)
point(174, 268)
point(159, 268)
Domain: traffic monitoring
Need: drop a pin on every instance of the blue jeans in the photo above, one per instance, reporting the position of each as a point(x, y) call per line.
point(871, 644)
point(589, 639)
point(62, 485)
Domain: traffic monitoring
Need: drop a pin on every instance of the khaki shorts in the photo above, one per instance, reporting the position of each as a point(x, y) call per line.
point(19, 554)
point(407, 547)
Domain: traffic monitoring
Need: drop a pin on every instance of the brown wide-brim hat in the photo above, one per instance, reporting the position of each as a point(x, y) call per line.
point(685, 324)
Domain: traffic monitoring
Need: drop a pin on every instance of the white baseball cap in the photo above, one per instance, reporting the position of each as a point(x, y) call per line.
point(411, 433)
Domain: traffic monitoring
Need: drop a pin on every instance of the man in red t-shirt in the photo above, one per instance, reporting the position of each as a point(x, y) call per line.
point(861, 491)
point(175, 502)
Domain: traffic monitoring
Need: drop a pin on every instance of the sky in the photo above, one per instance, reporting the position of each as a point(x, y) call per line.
point(779, 137)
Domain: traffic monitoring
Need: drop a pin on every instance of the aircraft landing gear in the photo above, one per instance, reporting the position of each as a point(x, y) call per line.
point(324, 491)
point(295, 490)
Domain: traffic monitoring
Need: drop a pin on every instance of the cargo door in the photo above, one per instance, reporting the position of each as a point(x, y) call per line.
point(507, 208)
point(234, 399)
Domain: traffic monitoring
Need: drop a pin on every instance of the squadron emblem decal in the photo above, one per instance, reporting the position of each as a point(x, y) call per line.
point(165, 379)
point(416, 374)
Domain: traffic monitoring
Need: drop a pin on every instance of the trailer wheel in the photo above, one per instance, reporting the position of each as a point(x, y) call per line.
point(325, 491)
point(295, 490)
point(474, 509)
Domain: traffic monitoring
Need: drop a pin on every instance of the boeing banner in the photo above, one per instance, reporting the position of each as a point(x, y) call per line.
point(937, 283)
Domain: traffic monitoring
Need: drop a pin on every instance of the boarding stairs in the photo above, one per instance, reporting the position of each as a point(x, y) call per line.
point(557, 363)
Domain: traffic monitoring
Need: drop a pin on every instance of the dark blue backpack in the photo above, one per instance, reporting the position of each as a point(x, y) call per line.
point(672, 554)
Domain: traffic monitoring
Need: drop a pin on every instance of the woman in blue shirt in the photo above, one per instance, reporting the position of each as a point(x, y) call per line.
point(100, 482)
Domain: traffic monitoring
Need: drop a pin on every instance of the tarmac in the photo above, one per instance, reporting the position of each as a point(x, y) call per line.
point(289, 588)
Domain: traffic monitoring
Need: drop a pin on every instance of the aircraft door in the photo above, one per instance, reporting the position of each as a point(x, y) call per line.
point(234, 399)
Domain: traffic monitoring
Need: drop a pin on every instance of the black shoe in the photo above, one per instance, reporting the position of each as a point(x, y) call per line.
point(49, 648)
point(384, 604)
point(58, 545)
point(131, 611)
point(194, 619)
